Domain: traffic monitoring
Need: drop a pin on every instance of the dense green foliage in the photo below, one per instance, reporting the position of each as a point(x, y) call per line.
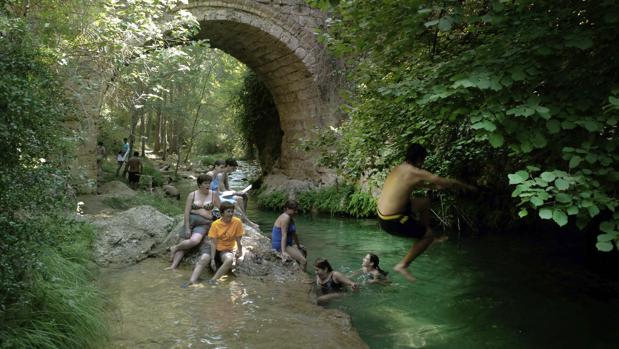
point(334, 200)
point(493, 88)
point(258, 121)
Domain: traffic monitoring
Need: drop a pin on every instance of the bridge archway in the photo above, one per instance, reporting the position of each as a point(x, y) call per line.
point(275, 38)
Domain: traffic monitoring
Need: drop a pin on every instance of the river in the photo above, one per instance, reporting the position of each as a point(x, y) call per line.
point(489, 291)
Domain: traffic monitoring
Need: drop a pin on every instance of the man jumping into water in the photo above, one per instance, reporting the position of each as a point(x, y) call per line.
point(396, 208)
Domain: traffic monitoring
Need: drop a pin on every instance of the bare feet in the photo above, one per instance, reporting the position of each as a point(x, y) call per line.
point(400, 268)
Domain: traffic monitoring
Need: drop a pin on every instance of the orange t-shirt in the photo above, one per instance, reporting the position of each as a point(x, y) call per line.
point(226, 233)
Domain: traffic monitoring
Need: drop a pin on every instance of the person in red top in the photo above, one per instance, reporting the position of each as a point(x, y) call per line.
point(225, 235)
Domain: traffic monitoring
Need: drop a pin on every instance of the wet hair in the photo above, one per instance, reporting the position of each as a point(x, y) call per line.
point(219, 163)
point(231, 162)
point(322, 263)
point(225, 206)
point(291, 204)
point(99, 143)
point(136, 153)
point(125, 140)
point(374, 260)
point(415, 153)
point(204, 178)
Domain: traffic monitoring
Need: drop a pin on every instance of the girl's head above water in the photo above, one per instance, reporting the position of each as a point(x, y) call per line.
point(323, 264)
point(371, 260)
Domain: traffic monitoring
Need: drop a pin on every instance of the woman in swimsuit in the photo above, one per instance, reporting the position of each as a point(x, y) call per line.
point(330, 282)
point(285, 232)
point(198, 218)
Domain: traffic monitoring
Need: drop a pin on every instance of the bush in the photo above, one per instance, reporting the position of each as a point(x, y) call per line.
point(345, 200)
point(273, 200)
point(48, 294)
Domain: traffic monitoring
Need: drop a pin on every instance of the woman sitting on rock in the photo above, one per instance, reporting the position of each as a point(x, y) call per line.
point(198, 218)
point(285, 232)
point(330, 282)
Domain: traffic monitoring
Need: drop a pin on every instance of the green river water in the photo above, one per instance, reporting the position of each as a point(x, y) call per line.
point(493, 291)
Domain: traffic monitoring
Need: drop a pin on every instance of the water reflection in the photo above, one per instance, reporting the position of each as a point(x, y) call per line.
point(151, 310)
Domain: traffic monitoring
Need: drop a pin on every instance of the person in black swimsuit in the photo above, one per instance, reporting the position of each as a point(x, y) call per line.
point(330, 282)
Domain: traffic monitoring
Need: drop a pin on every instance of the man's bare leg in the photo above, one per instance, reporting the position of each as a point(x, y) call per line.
point(414, 252)
point(423, 207)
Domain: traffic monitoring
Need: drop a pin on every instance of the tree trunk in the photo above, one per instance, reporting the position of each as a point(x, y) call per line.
point(192, 135)
point(158, 128)
point(142, 136)
point(149, 127)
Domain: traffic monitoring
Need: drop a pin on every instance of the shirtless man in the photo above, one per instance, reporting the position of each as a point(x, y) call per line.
point(396, 208)
point(134, 165)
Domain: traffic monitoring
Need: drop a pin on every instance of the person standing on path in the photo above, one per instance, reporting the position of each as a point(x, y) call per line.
point(135, 168)
point(100, 155)
point(396, 208)
point(122, 158)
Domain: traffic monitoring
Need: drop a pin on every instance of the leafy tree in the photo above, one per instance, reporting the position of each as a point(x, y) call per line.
point(497, 88)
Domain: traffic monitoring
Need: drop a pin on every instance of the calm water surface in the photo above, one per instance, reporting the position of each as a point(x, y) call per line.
point(487, 292)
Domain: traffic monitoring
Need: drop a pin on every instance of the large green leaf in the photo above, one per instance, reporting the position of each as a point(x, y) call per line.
point(553, 126)
point(559, 217)
point(548, 176)
point(608, 237)
point(496, 139)
point(572, 210)
point(545, 213)
point(518, 177)
point(563, 198)
point(607, 227)
point(575, 161)
point(562, 184)
point(604, 246)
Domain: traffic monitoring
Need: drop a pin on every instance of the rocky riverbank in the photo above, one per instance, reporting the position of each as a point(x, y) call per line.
point(133, 242)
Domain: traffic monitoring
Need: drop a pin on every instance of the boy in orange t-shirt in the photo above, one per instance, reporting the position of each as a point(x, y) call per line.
point(225, 234)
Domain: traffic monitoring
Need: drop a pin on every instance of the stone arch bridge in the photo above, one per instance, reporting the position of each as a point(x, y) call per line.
point(276, 39)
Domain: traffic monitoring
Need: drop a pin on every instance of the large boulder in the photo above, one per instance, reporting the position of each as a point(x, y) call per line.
point(130, 236)
point(115, 189)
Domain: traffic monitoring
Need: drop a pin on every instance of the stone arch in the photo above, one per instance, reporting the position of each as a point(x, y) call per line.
point(275, 38)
